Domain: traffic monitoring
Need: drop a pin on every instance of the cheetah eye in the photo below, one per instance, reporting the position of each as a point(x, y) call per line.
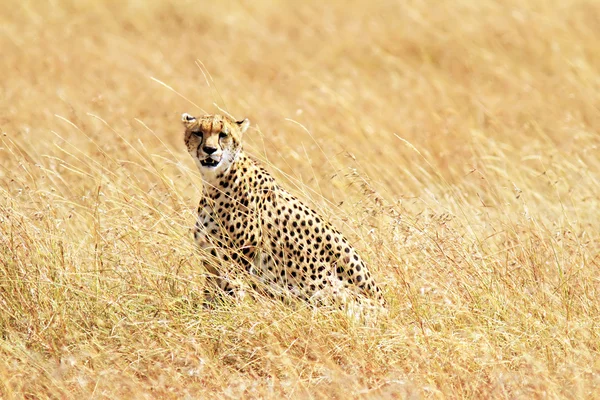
point(222, 135)
point(197, 133)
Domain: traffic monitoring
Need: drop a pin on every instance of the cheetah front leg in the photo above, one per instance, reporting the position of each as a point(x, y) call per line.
point(216, 263)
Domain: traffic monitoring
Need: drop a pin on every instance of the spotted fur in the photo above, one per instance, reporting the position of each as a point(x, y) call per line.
point(245, 219)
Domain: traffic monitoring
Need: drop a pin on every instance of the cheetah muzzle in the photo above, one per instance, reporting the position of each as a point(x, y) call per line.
point(210, 162)
point(248, 224)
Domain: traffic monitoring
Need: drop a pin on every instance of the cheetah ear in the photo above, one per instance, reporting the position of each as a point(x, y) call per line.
point(187, 119)
point(244, 124)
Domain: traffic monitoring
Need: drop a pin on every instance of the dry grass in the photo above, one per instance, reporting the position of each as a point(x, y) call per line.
point(455, 143)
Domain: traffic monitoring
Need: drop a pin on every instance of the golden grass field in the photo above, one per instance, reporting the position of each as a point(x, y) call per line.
point(455, 143)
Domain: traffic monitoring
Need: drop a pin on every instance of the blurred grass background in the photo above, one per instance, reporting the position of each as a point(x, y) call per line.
point(454, 142)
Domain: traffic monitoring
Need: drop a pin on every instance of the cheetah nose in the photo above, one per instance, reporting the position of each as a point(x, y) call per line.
point(209, 150)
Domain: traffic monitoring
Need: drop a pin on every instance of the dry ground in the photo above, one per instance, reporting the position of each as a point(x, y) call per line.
point(455, 142)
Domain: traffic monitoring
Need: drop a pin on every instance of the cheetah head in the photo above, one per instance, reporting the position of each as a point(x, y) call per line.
point(213, 141)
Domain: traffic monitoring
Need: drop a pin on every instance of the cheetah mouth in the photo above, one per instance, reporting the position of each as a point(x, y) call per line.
point(209, 162)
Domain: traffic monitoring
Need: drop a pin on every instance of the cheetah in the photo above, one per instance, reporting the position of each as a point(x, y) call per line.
point(248, 222)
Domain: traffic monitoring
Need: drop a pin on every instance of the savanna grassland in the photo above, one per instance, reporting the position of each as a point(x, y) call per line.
point(455, 143)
